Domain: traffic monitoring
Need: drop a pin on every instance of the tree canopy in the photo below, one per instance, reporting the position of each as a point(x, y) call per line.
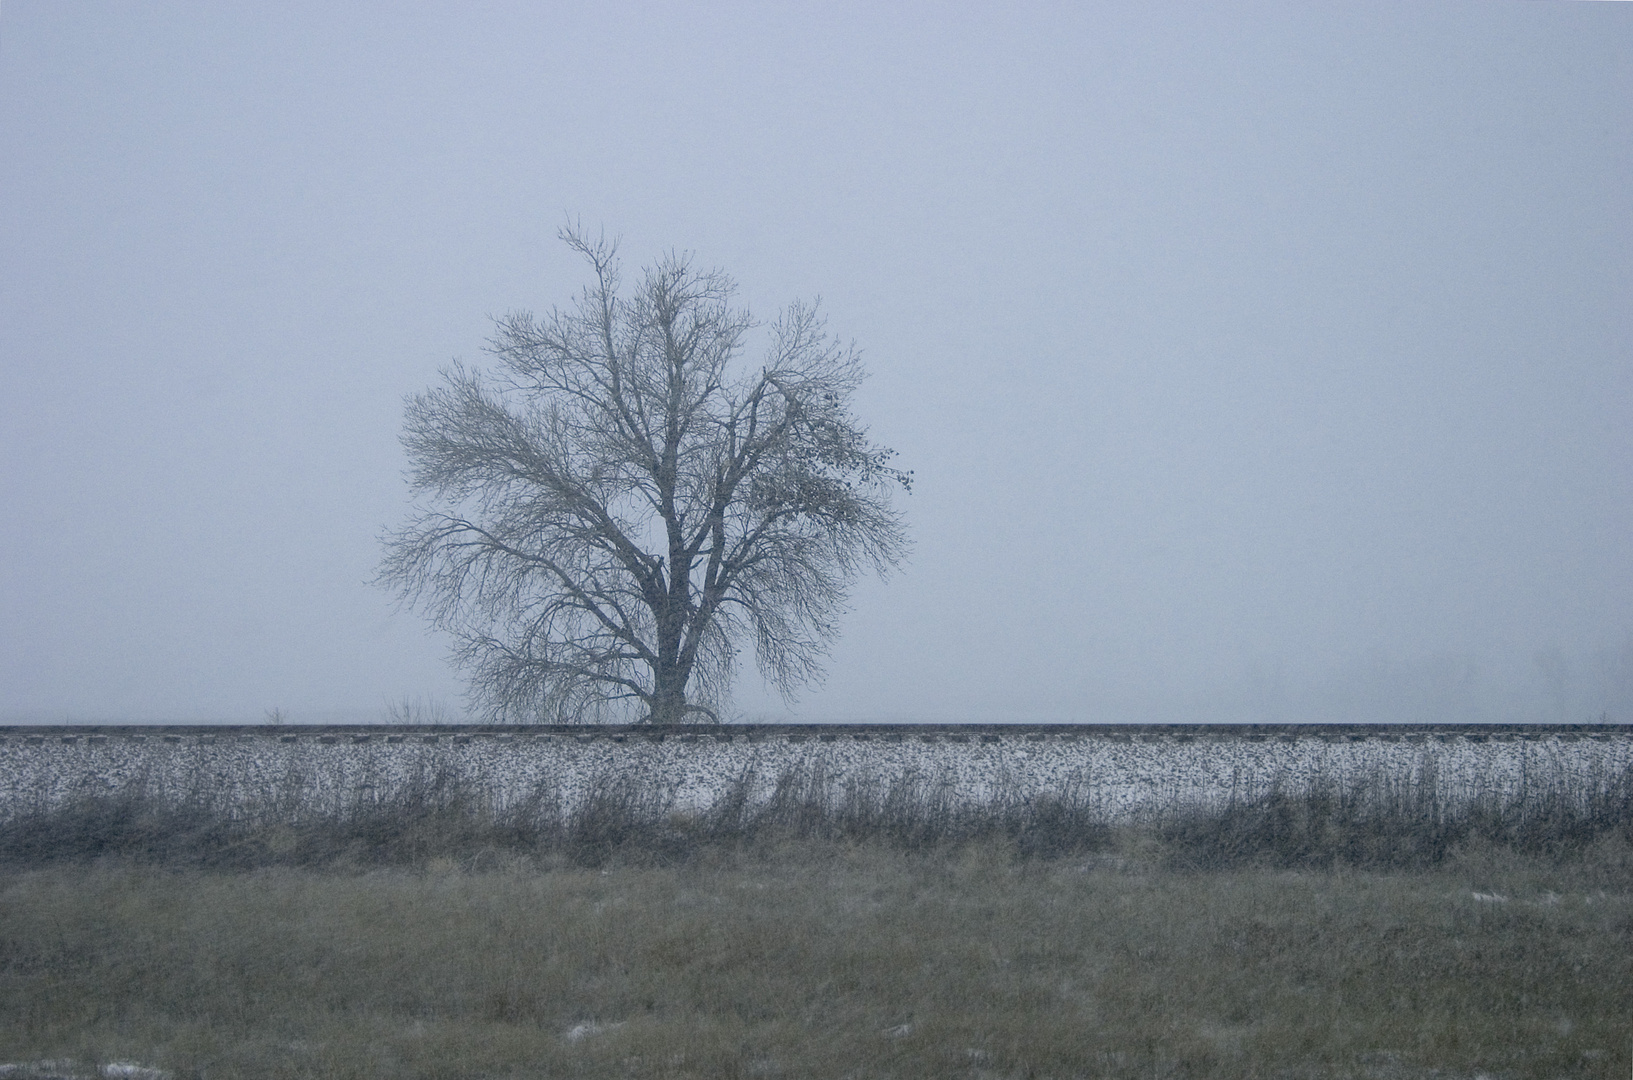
point(622, 500)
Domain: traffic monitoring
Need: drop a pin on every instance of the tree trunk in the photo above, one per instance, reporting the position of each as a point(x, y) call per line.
point(669, 696)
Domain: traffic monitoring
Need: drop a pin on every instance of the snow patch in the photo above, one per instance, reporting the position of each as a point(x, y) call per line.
point(72, 1070)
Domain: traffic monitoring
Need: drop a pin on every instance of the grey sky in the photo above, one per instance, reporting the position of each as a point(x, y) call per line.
point(1270, 363)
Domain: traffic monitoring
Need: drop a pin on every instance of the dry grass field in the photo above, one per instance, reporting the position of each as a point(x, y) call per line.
point(1290, 940)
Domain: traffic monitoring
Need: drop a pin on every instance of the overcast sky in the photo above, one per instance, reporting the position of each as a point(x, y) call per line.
point(1260, 362)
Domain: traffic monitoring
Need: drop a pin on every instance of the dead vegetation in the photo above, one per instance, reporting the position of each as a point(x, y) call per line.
point(827, 933)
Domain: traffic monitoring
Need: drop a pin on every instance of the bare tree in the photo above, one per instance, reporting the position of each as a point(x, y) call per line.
point(623, 500)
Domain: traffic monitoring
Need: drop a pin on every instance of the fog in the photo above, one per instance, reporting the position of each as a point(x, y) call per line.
point(1271, 363)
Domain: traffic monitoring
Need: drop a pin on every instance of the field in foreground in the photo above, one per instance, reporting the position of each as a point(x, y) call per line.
point(827, 959)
